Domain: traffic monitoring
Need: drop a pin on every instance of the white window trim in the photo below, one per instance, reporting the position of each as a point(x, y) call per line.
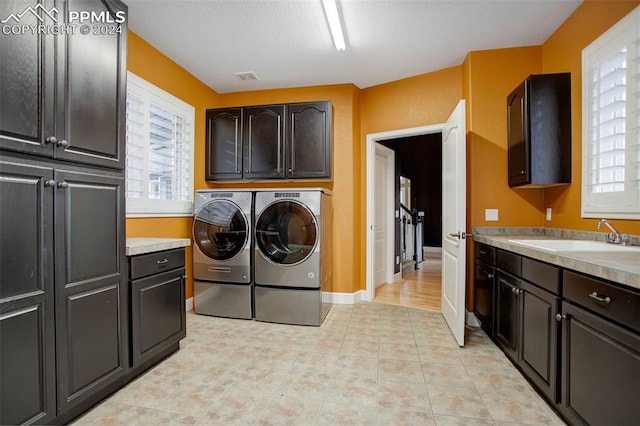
point(613, 205)
point(141, 207)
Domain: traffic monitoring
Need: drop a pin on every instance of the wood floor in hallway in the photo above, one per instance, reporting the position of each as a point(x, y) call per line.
point(421, 289)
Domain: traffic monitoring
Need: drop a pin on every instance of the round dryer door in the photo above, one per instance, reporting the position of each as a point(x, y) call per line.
point(220, 230)
point(286, 232)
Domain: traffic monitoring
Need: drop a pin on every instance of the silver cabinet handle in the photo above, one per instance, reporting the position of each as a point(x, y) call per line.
point(54, 141)
point(50, 183)
point(595, 296)
point(560, 317)
point(63, 185)
point(162, 262)
point(490, 276)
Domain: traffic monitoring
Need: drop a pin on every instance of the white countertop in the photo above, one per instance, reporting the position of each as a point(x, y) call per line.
point(620, 267)
point(137, 246)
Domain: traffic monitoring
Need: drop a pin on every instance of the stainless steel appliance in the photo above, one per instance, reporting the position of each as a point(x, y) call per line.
point(292, 255)
point(222, 253)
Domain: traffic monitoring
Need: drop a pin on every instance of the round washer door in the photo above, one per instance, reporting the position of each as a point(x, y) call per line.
point(220, 230)
point(286, 232)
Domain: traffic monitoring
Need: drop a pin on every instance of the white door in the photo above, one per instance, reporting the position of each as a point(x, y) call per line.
point(454, 222)
point(383, 244)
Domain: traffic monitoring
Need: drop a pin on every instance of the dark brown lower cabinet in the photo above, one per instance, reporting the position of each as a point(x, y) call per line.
point(91, 294)
point(526, 325)
point(508, 314)
point(484, 295)
point(539, 353)
point(600, 370)
point(27, 315)
point(158, 317)
point(63, 313)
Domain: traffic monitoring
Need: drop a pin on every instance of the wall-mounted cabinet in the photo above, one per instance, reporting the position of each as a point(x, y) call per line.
point(57, 100)
point(539, 131)
point(288, 141)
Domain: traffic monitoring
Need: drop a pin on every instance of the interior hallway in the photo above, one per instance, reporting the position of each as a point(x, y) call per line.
point(421, 289)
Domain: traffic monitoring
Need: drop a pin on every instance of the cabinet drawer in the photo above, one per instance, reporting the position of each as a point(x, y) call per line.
point(620, 305)
point(509, 262)
point(541, 274)
point(153, 263)
point(485, 253)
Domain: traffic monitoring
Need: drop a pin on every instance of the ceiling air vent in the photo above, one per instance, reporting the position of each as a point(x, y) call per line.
point(246, 76)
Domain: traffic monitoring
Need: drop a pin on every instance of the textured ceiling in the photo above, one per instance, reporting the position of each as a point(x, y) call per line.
point(287, 43)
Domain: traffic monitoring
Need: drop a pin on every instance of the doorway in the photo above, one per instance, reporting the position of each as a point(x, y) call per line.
point(432, 272)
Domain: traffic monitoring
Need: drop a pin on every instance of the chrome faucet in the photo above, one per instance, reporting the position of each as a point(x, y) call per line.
point(614, 237)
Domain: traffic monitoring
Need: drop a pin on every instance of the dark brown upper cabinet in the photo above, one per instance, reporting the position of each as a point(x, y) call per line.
point(224, 144)
point(57, 100)
point(309, 140)
point(539, 131)
point(265, 142)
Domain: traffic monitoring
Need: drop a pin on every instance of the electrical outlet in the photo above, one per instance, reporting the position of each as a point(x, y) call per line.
point(549, 214)
point(397, 260)
point(491, 215)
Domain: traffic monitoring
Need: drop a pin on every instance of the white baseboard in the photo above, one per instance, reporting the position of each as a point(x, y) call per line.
point(472, 320)
point(342, 298)
point(189, 304)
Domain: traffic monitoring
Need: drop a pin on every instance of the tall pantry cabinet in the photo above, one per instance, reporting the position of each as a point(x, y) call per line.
point(63, 271)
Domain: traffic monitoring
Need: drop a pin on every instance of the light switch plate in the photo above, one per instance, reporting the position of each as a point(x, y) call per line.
point(549, 214)
point(491, 215)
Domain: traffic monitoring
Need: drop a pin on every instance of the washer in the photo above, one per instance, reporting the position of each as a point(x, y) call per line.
point(292, 255)
point(222, 253)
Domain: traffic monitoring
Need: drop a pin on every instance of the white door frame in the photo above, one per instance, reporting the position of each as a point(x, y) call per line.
point(372, 138)
point(389, 157)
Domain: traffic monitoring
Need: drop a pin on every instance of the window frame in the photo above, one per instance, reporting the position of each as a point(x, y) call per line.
point(147, 207)
point(624, 204)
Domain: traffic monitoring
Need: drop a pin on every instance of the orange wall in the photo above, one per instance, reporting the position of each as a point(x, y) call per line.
point(563, 52)
point(493, 74)
point(423, 100)
point(484, 80)
point(152, 65)
point(345, 182)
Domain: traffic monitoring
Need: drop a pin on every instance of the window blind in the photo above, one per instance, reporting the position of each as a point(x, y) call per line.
point(159, 165)
point(611, 122)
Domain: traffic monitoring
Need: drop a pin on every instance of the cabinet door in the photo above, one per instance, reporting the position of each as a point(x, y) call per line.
point(518, 137)
point(26, 84)
point(91, 88)
point(600, 370)
point(508, 314)
point(309, 134)
point(539, 359)
point(484, 294)
point(91, 314)
point(157, 313)
point(264, 142)
point(224, 144)
point(27, 357)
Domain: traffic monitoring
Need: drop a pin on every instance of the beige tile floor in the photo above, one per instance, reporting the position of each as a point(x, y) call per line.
point(368, 364)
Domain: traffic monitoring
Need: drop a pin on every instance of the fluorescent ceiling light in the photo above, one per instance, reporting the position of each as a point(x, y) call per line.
point(331, 12)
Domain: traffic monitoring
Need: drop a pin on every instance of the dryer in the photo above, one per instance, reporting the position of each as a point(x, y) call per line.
point(222, 253)
point(292, 255)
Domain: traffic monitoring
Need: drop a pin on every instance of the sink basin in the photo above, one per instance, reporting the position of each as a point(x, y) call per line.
point(575, 245)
